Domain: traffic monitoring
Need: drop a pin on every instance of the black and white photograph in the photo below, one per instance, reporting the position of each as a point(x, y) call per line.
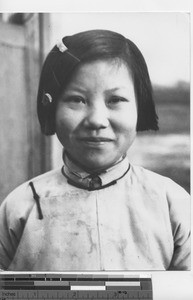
point(95, 141)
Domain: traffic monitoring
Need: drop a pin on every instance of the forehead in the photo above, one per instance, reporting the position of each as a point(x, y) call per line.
point(101, 73)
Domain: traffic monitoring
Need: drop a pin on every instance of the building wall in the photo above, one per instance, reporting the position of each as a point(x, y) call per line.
point(22, 146)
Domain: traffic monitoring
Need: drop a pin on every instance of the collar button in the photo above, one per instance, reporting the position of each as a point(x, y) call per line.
point(95, 182)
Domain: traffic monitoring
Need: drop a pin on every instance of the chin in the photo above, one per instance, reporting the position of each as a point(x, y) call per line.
point(98, 164)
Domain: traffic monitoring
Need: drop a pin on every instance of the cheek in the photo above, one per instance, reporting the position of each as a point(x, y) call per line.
point(127, 122)
point(126, 129)
point(66, 122)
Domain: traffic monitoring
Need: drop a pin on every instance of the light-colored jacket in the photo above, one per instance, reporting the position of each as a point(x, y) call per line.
point(141, 222)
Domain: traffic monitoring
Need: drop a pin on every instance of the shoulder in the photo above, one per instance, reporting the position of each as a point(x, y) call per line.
point(50, 183)
point(146, 176)
point(151, 179)
point(20, 200)
point(178, 200)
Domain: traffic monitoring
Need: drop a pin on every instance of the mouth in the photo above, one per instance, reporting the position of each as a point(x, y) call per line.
point(95, 141)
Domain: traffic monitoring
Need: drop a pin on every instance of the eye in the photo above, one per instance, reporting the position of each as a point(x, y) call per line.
point(74, 99)
point(117, 100)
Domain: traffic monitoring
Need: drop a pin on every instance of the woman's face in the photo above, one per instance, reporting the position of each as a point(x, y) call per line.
point(96, 115)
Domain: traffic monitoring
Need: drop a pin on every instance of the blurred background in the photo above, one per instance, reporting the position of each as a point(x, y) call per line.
point(26, 38)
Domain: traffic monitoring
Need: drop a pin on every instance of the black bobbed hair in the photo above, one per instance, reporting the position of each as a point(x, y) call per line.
point(85, 47)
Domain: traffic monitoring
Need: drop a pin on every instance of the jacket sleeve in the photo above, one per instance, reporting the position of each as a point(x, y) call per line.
point(7, 238)
point(14, 211)
point(180, 215)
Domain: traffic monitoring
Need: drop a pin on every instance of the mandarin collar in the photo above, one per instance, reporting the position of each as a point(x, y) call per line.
point(80, 178)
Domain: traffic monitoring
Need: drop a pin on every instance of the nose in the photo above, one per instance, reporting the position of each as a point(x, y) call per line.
point(97, 117)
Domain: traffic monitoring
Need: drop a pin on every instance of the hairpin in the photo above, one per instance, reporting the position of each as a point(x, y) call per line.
point(47, 99)
point(61, 46)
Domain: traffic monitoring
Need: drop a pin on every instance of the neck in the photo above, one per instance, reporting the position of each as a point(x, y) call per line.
point(90, 170)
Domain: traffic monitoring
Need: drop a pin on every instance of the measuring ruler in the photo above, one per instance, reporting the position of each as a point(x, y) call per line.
point(75, 286)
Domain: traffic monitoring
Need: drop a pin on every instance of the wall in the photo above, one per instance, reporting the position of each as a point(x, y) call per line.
point(22, 146)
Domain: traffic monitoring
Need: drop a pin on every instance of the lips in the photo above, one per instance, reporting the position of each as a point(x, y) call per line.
point(95, 139)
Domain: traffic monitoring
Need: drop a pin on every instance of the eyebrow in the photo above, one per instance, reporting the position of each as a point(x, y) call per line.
point(108, 90)
point(79, 89)
point(116, 88)
point(74, 89)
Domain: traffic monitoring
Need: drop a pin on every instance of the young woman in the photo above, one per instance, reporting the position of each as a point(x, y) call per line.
point(98, 212)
